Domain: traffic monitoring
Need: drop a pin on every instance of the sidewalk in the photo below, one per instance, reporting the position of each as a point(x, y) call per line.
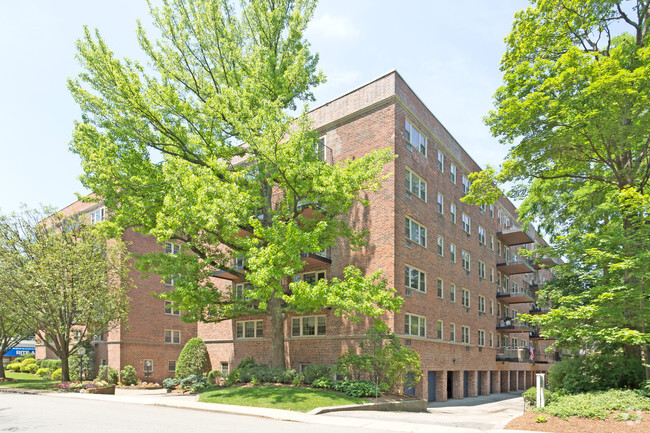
point(388, 421)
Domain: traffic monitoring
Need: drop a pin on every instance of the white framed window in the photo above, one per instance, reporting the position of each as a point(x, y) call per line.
point(147, 366)
point(481, 269)
point(491, 211)
point(250, 329)
point(415, 279)
point(415, 138)
point(171, 282)
point(491, 243)
point(452, 172)
point(482, 235)
point(415, 325)
point(441, 161)
point(452, 213)
point(441, 288)
point(491, 307)
point(171, 366)
point(440, 330)
point(452, 253)
point(492, 275)
point(452, 332)
point(481, 304)
point(172, 248)
point(170, 310)
point(466, 223)
point(416, 232)
point(465, 334)
point(224, 368)
point(499, 248)
point(416, 185)
point(241, 289)
point(481, 338)
point(172, 336)
point(310, 277)
point(98, 215)
point(441, 204)
point(452, 292)
point(466, 185)
point(465, 300)
point(498, 310)
point(307, 326)
point(321, 150)
point(491, 339)
point(467, 260)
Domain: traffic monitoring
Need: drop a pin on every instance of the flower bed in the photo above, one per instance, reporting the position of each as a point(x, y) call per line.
point(142, 385)
point(98, 387)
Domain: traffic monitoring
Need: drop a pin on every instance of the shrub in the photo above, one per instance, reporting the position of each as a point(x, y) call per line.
point(128, 375)
point(530, 396)
point(313, 372)
point(14, 366)
point(213, 376)
point(540, 418)
point(52, 364)
point(170, 383)
point(39, 362)
point(56, 374)
point(25, 363)
point(43, 372)
point(21, 358)
point(232, 378)
point(31, 368)
point(108, 374)
point(323, 382)
point(357, 388)
point(597, 404)
point(193, 360)
point(192, 381)
point(265, 374)
point(596, 372)
point(247, 363)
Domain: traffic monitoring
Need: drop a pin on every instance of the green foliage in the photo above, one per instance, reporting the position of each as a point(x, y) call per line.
point(56, 374)
point(247, 363)
point(596, 372)
point(31, 368)
point(52, 364)
point(25, 356)
point(170, 382)
point(628, 417)
point(323, 382)
point(530, 396)
point(193, 360)
point(25, 363)
point(43, 372)
point(15, 366)
point(214, 376)
point(108, 374)
point(316, 371)
point(82, 364)
point(192, 381)
point(357, 388)
point(266, 374)
point(540, 419)
point(128, 375)
point(232, 378)
point(596, 404)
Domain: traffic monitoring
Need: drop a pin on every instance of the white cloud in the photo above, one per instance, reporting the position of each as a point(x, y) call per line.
point(334, 27)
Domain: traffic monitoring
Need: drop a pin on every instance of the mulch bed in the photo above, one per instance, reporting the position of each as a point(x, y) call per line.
point(579, 425)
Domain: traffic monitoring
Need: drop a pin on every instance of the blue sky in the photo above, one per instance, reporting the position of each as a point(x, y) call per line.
point(448, 52)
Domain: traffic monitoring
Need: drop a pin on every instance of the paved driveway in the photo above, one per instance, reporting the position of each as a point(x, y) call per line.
point(483, 413)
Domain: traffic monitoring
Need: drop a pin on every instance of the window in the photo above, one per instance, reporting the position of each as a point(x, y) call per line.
point(169, 309)
point(491, 211)
point(498, 310)
point(241, 289)
point(441, 246)
point(481, 269)
point(148, 366)
point(416, 232)
point(452, 292)
point(481, 304)
point(171, 281)
point(98, 215)
point(171, 366)
point(466, 185)
point(481, 337)
point(310, 277)
point(466, 223)
point(173, 337)
point(466, 260)
point(452, 212)
point(465, 300)
point(441, 161)
point(172, 248)
point(321, 150)
point(224, 368)
point(250, 329)
point(415, 139)
point(441, 289)
point(415, 325)
point(492, 275)
point(491, 307)
point(452, 173)
point(308, 325)
point(441, 204)
point(415, 279)
point(491, 339)
point(499, 247)
point(416, 185)
point(439, 329)
point(104, 362)
point(491, 243)
point(452, 332)
point(482, 236)
point(452, 253)
point(465, 334)
point(482, 208)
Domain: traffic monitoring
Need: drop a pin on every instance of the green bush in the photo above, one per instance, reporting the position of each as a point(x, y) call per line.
point(21, 358)
point(323, 382)
point(596, 372)
point(108, 374)
point(232, 378)
point(25, 363)
point(15, 366)
point(56, 374)
point(43, 372)
point(192, 381)
point(39, 362)
point(530, 396)
point(357, 388)
point(265, 374)
point(313, 372)
point(247, 363)
point(129, 375)
point(193, 360)
point(52, 364)
point(213, 376)
point(31, 368)
point(170, 383)
point(596, 404)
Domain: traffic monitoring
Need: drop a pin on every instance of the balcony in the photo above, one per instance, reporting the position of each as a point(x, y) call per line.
point(515, 236)
point(545, 357)
point(513, 354)
point(513, 326)
point(316, 258)
point(239, 266)
point(535, 309)
point(310, 210)
point(546, 262)
point(515, 267)
point(522, 295)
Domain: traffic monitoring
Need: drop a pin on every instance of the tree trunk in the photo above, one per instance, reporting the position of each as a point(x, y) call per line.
point(65, 367)
point(277, 333)
point(2, 370)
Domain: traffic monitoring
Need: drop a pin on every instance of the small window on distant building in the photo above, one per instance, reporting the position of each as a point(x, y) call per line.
point(172, 248)
point(98, 215)
point(224, 368)
point(171, 366)
point(148, 366)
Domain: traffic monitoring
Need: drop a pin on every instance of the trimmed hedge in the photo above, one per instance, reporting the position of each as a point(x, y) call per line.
point(193, 360)
point(56, 374)
point(129, 375)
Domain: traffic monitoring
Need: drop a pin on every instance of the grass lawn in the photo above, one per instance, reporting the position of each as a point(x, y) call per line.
point(29, 381)
point(278, 397)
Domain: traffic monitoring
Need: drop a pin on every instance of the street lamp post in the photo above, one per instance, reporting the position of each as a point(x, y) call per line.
point(81, 351)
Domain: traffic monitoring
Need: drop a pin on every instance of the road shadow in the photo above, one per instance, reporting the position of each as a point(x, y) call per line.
point(475, 401)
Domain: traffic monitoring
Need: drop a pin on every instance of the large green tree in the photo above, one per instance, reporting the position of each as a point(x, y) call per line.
point(200, 148)
point(12, 328)
point(574, 107)
point(66, 280)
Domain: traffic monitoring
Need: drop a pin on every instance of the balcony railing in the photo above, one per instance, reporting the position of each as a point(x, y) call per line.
point(516, 266)
point(520, 295)
point(513, 354)
point(513, 326)
point(536, 309)
point(515, 236)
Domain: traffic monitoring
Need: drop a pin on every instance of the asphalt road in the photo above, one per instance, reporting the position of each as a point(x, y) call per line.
point(51, 414)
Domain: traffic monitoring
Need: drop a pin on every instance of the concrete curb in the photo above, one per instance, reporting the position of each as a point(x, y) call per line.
point(24, 390)
point(414, 405)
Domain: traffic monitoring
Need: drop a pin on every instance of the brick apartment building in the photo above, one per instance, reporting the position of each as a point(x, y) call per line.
point(455, 265)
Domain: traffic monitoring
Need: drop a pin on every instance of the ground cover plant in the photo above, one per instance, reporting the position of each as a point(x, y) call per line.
point(597, 404)
point(28, 381)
